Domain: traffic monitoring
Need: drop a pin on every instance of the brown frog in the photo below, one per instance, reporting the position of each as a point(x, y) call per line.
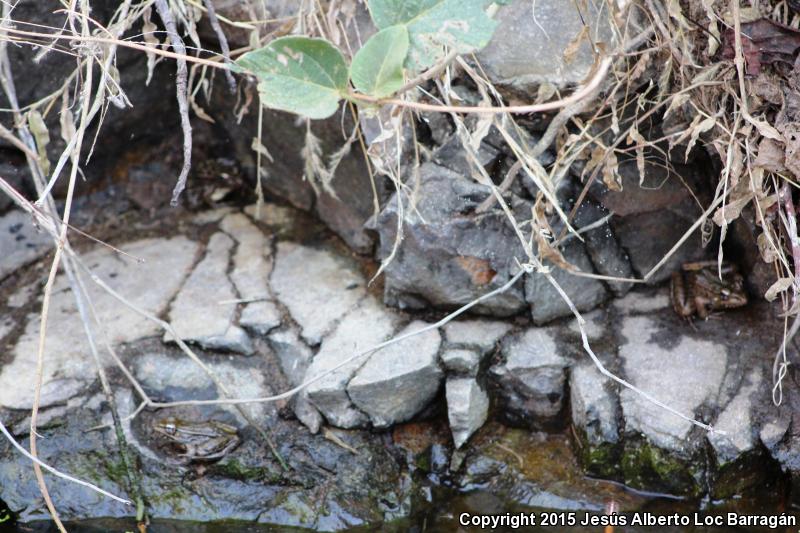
point(198, 441)
point(697, 289)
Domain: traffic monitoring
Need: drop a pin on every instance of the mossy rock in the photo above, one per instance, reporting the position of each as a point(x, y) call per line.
point(647, 467)
point(600, 460)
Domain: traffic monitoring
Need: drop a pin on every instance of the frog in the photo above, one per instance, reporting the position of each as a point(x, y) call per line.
point(698, 290)
point(198, 441)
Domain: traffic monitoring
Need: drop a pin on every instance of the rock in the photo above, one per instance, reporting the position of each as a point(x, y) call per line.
point(317, 287)
point(292, 353)
point(607, 256)
point(260, 317)
point(652, 213)
point(15, 172)
point(595, 414)
point(461, 361)
point(645, 301)
point(585, 293)
point(369, 324)
point(684, 376)
point(528, 385)
point(399, 380)
point(252, 261)
point(448, 258)
point(553, 25)
point(479, 334)
point(736, 432)
point(198, 313)
point(596, 325)
point(22, 242)
point(467, 408)
point(70, 366)
point(453, 156)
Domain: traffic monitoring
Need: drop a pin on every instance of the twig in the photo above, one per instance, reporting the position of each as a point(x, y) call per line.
point(182, 95)
point(223, 41)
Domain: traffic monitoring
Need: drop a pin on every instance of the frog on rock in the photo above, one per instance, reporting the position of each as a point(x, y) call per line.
point(698, 289)
point(198, 441)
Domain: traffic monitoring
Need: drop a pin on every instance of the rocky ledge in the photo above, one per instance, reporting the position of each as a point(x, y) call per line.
point(267, 307)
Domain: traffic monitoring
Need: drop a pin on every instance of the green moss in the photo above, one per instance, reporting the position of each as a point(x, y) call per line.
point(647, 467)
point(235, 469)
point(602, 461)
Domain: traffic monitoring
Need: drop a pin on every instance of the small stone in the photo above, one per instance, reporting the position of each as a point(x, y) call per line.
point(461, 361)
point(21, 242)
point(595, 326)
point(594, 406)
point(480, 334)
point(530, 384)
point(467, 408)
point(197, 314)
point(366, 326)
point(317, 287)
point(292, 353)
point(260, 317)
point(399, 380)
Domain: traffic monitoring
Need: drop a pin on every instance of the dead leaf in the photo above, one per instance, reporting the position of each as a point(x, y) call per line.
point(770, 156)
point(791, 136)
point(767, 251)
point(778, 287)
point(634, 137)
point(479, 270)
point(763, 42)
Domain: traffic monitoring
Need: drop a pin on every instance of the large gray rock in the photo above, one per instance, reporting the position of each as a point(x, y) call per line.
point(316, 286)
point(69, 367)
point(596, 419)
point(529, 384)
point(736, 432)
point(202, 312)
point(461, 361)
point(585, 293)
point(399, 380)
point(448, 258)
point(467, 408)
point(530, 45)
point(684, 376)
point(21, 242)
point(364, 327)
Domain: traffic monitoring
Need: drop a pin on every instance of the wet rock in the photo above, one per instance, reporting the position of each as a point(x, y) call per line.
point(448, 258)
point(467, 408)
point(553, 25)
point(461, 361)
point(197, 314)
point(478, 334)
point(534, 469)
point(70, 366)
point(363, 328)
point(252, 260)
point(22, 243)
point(595, 415)
point(607, 256)
point(585, 293)
point(316, 286)
point(528, 385)
point(399, 380)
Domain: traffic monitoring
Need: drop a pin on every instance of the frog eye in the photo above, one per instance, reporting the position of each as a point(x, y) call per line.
point(725, 293)
point(170, 428)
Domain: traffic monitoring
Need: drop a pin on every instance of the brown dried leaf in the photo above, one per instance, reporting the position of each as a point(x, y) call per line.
point(770, 156)
point(634, 137)
point(764, 41)
point(698, 129)
point(768, 253)
point(779, 286)
point(611, 175)
point(791, 138)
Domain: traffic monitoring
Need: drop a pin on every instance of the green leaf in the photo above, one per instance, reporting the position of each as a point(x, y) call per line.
point(299, 74)
point(377, 68)
point(460, 25)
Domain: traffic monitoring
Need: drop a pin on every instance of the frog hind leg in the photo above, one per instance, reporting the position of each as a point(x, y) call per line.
point(701, 308)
